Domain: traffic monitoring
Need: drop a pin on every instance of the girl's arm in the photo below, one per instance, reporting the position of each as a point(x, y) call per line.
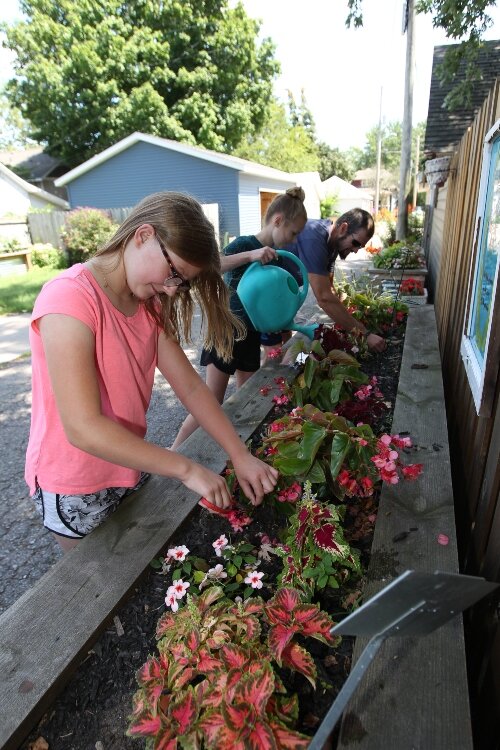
point(262, 254)
point(256, 478)
point(69, 351)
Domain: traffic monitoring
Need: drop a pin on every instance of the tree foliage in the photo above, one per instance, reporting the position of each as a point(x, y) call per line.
point(92, 72)
point(280, 144)
point(390, 146)
point(464, 21)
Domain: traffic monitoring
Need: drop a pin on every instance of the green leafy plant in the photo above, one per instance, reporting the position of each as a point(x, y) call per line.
point(45, 255)
point(400, 255)
point(378, 312)
point(314, 551)
point(85, 230)
point(10, 245)
point(327, 381)
point(324, 448)
point(215, 684)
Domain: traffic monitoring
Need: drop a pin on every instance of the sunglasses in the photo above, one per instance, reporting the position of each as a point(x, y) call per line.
point(175, 279)
point(356, 243)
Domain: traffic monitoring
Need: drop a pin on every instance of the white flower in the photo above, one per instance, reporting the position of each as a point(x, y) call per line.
point(253, 578)
point(220, 544)
point(178, 553)
point(171, 601)
point(178, 588)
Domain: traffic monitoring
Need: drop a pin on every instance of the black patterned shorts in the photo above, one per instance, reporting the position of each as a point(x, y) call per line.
point(75, 516)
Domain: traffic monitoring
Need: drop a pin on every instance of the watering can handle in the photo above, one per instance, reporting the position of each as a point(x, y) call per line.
point(303, 270)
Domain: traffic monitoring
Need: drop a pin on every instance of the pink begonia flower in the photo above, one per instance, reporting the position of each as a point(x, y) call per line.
point(277, 427)
point(412, 471)
point(179, 588)
point(178, 553)
point(171, 601)
point(220, 544)
point(253, 578)
point(271, 451)
point(274, 353)
point(281, 400)
point(385, 439)
point(238, 520)
point(443, 539)
point(280, 381)
point(265, 390)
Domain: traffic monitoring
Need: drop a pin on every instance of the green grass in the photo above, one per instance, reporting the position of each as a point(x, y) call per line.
point(19, 291)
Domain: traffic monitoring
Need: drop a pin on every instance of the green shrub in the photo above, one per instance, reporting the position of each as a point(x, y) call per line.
point(327, 206)
point(86, 230)
point(45, 255)
point(10, 245)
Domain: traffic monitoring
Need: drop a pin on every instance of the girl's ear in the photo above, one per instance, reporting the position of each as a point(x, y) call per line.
point(278, 220)
point(143, 233)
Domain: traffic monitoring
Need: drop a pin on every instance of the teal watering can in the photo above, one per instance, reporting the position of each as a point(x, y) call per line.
point(271, 296)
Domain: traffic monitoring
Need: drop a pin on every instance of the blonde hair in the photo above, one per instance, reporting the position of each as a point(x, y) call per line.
point(290, 204)
point(180, 223)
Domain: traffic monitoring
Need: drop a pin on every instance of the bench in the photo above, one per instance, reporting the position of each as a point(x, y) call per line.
point(415, 693)
point(6, 258)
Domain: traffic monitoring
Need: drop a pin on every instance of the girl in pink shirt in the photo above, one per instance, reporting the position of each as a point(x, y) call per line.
point(98, 332)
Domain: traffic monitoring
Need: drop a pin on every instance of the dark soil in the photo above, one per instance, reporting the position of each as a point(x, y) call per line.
point(91, 712)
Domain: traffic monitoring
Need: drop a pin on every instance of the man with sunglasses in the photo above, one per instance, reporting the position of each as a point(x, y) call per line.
point(318, 246)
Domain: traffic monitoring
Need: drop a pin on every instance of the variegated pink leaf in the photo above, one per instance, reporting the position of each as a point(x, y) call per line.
point(278, 638)
point(184, 711)
point(207, 663)
point(210, 725)
point(209, 597)
point(149, 671)
point(164, 624)
point(192, 640)
point(166, 742)
point(287, 739)
point(255, 689)
point(233, 656)
point(297, 658)
point(145, 725)
point(237, 717)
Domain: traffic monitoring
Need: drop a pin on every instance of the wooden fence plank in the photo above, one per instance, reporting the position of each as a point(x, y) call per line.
point(414, 695)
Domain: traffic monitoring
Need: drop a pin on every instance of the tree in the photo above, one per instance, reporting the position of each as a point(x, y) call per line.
point(332, 161)
point(90, 73)
point(13, 128)
point(280, 144)
point(464, 21)
point(391, 146)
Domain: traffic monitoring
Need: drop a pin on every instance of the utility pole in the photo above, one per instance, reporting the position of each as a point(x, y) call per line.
point(379, 156)
point(417, 157)
point(404, 172)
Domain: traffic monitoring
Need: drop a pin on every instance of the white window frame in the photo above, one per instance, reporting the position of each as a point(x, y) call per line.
point(482, 372)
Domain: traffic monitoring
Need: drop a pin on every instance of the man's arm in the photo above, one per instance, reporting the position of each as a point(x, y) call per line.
point(333, 307)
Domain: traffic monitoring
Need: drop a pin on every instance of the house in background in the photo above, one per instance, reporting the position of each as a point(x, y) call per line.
point(366, 180)
point(346, 195)
point(141, 164)
point(34, 165)
point(445, 127)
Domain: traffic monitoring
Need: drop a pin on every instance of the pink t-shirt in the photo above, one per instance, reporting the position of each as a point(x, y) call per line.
point(126, 353)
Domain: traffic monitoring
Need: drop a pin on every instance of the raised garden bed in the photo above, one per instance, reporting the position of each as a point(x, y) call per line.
point(100, 693)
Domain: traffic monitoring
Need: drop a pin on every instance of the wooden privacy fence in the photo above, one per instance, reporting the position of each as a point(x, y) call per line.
point(46, 227)
point(474, 440)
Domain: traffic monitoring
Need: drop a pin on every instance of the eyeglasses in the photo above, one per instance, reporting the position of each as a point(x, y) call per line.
point(175, 279)
point(356, 243)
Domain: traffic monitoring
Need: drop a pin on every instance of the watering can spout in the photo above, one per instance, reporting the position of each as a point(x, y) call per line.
point(307, 330)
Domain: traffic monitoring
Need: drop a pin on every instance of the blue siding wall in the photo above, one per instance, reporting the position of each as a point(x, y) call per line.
point(144, 168)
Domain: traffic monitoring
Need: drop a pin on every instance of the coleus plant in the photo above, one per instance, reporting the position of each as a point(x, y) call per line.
point(327, 449)
point(214, 682)
point(315, 553)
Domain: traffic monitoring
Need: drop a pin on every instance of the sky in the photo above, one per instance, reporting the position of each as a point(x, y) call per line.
point(345, 73)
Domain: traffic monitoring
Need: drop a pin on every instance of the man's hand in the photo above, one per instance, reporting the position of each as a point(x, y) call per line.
point(375, 342)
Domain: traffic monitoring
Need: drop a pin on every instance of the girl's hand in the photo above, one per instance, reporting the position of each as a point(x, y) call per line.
point(263, 254)
point(207, 484)
point(256, 478)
